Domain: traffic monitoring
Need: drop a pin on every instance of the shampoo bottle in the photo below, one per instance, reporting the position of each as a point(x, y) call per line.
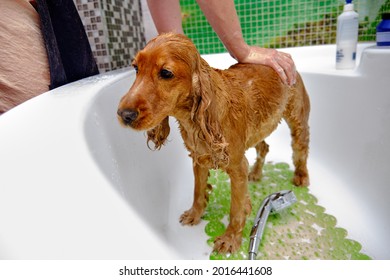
point(383, 31)
point(347, 37)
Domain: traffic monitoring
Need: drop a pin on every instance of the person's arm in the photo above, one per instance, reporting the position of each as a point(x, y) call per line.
point(166, 15)
point(222, 16)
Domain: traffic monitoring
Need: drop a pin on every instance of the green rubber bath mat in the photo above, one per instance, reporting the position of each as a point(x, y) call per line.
point(302, 231)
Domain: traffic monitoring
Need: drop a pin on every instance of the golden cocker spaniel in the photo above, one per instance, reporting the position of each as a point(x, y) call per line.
point(221, 113)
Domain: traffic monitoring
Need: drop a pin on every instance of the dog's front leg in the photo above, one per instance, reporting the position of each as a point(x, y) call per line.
point(201, 194)
point(240, 207)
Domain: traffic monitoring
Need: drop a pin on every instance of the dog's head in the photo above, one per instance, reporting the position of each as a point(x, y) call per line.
point(172, 80)
point(163, 81)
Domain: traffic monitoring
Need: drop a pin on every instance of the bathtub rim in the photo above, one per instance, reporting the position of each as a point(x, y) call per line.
point(82, 101)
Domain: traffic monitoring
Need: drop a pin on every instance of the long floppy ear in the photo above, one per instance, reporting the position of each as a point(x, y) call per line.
point(159, 134)
point(204, 113)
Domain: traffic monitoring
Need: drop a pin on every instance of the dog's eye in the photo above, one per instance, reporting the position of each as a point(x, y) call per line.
point(166, 74)
point(135, 68)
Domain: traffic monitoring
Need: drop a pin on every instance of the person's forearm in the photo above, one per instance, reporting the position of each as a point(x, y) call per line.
point(166, 15)
point(223, 17)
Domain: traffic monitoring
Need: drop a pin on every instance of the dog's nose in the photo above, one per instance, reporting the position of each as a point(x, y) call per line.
point(128, 115)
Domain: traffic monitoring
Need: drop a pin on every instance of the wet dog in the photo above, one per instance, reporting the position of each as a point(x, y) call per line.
point(221, 113)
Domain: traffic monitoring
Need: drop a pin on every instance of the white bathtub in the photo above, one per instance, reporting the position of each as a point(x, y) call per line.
point(76, 185)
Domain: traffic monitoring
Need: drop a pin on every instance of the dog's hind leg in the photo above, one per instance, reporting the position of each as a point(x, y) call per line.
point(201, 195)
point(257, 169)
point(300, 146)
point(298, 121)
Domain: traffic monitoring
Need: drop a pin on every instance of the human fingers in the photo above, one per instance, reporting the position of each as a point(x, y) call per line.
point(276, 65)
point(286, 63)
point(281, 62)
point(269, 57)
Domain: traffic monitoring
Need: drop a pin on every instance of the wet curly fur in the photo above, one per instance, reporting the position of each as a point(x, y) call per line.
point(221, 113)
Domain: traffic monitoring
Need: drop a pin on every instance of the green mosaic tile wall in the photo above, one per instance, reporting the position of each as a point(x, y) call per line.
point(283, 23)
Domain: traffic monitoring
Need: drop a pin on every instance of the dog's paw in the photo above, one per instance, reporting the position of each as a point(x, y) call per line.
point(254, 176)
point(227, 243)
point(190, 217)
point(301, 179)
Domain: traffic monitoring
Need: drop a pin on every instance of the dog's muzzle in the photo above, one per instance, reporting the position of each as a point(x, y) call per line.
point(128, 116)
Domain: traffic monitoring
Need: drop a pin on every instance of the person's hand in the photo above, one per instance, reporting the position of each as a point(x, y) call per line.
point(281, 62)
point(224, 20)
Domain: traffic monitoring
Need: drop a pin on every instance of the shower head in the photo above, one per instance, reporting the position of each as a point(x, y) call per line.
point(282, 200)
point(271, 204)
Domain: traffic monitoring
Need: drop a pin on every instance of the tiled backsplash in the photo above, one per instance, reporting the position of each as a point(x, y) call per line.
point(114, 29)
point(283, 23)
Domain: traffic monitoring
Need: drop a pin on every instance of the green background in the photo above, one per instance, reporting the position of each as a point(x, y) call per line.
point(283, 23)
